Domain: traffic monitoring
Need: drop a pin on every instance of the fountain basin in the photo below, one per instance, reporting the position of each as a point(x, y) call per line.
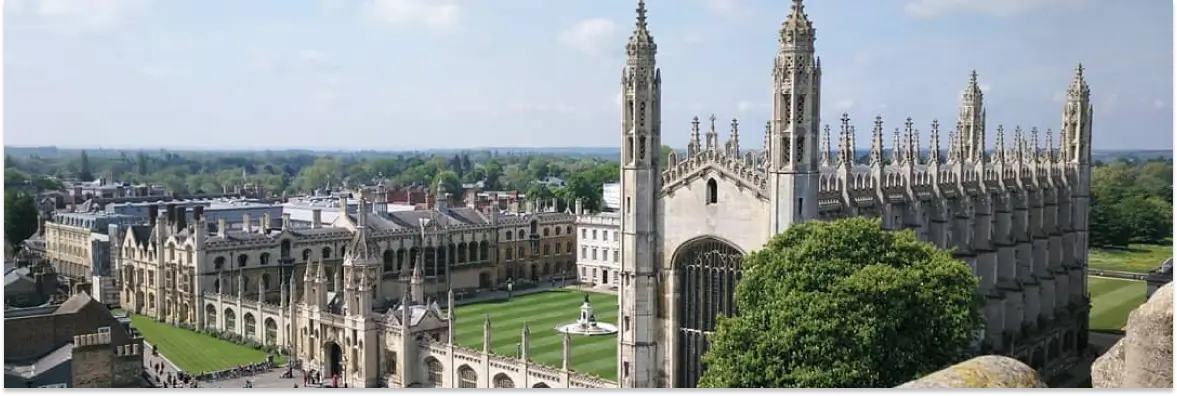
point(578, 328)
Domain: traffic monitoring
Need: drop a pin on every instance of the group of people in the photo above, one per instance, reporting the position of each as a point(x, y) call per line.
point(239, 371)
point(168, 379)
point(315, 377)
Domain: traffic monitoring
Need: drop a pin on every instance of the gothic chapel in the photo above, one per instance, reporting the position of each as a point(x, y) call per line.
point(1016, 212)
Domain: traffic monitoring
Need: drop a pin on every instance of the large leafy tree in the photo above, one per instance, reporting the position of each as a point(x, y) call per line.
point(20, 217)
point(844, 304)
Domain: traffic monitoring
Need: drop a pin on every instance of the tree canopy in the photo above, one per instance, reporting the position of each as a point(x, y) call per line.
point(1131, 202)
point(844, 304)
point(20, 217)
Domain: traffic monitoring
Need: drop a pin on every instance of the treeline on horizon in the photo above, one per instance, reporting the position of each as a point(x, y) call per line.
point(1131, 195)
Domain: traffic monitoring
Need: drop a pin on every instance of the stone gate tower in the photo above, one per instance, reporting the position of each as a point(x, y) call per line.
point(641, 134)
point(793, 171)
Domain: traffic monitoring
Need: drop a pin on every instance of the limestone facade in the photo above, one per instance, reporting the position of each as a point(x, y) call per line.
point(355, 297)
point(598, 254)
point(1016, 213)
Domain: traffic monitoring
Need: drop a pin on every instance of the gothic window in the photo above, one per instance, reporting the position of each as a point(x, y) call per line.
point(467, 378)
point(387, 260)
point(503, 381)
point(265, 281)
point(265, 258)
point(434, 369)
point(242, 260)
point(547, 232)
point(569, 230)
point(800, 108)
point(326, 253)
point(712, 192)
point(219, 262)
point(534, 227)
point(508, 235)
point(642, 116)
point(786, 107)
point(558, 231)
point(800, 151)
point(306, 255)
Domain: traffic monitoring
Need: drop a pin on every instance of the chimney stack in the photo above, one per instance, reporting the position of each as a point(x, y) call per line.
point(171, 214)
point(152, 214)
point(264, 224)
point(222, 227)
point(579, 207)
point(316, 218)
point(286, 221)
point(181, 218)
point(245, 220)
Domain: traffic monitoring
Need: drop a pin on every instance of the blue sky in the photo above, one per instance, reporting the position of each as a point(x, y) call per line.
point(402, 74)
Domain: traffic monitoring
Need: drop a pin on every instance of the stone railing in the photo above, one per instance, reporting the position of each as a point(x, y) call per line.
point(981, 372)
point(1142, 359)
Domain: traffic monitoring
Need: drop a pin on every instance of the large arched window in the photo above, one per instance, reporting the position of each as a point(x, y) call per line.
point(712, 192)
point(467, 378)
point(434, 368)
point(503, 381)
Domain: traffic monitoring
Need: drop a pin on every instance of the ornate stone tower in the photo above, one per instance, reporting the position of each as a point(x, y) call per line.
point(793, 171)
point(641, 135)
point(1076, 147)
point(971, 121)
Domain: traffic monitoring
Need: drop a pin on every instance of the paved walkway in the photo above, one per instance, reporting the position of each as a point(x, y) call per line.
point(150, 361)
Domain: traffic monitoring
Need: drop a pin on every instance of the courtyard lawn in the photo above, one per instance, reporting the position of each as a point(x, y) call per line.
point(1136, 258)
point(1112, 300)
point(195, 352)
point(543, 312)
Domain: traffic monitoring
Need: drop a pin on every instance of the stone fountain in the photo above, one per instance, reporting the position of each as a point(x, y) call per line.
point(587, 323)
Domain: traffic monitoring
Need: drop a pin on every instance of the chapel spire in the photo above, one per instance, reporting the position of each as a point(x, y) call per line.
point(641, 43)
point(797, 29)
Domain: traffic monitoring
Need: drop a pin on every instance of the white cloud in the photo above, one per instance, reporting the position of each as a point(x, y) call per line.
point(1108, 104)
point(437, 15)
point(723, 6)
point(521, 106)
point(1158, 103)
point(590, 37)
point(312, 56)
point(151, 70)
point(744, 106)
point(77, 14)
point(993, 8)
point(844, 105)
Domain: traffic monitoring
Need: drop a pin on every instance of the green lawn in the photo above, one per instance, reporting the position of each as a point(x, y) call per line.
point(1112, 300)
point(195, 352)
point(543, 312)
point(1136, 258)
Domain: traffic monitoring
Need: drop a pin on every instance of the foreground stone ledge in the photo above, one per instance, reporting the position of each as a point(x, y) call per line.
point(1144, 357)
point(981, 372)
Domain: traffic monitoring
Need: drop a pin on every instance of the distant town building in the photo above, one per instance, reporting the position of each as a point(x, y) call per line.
point(77, 344)
point(611, 197)
point(1160, 276)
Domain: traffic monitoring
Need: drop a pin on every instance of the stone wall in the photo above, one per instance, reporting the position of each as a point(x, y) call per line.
point(981, 372)
point(1142, 359)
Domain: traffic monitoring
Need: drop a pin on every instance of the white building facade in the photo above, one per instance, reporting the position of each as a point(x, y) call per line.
point(598, 249)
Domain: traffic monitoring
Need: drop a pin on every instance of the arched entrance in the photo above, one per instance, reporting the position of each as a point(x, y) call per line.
point(707, 270)
point(335, 355)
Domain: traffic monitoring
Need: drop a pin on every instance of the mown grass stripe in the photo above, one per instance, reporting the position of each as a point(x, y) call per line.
point(543, 312)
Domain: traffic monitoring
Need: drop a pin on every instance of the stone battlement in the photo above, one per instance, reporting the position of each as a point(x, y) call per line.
point(129, 350)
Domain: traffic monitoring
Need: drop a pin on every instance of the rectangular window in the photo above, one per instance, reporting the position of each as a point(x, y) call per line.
point(583, 234)
point(616, 256)
point(615, 236)
point(583, 252)
point(594, 254)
